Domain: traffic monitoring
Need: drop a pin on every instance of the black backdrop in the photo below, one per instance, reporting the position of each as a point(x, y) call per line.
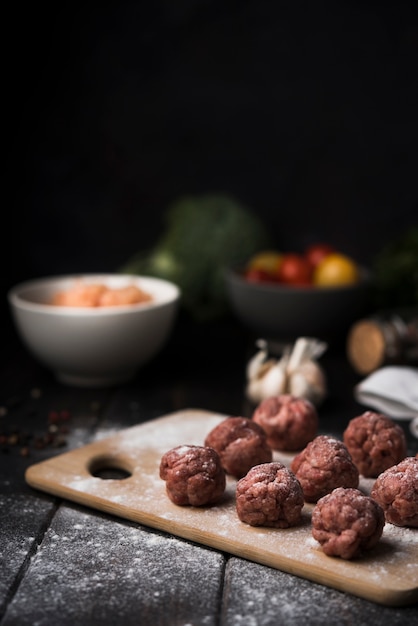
point(304, 111)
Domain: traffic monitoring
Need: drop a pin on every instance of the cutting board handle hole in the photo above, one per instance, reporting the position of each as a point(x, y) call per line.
point(109, 468)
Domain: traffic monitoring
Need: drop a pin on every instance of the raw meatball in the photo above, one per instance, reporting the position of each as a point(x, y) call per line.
point(241, 444)
point(269, 495)
point(346, 523)
point(290, 422)
point(375, 443)
point(193, 474)
point(324, 465)
point(396, 490)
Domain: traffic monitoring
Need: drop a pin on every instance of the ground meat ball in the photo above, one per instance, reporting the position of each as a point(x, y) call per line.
point(396, 490)
point(240, 443)
point(324, 465)
point(375, 443)
point(289, 422)
point(193, 474)
point(346, 523)
point(269, 495)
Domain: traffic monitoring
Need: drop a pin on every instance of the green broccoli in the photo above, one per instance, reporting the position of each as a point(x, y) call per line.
point(203, 236)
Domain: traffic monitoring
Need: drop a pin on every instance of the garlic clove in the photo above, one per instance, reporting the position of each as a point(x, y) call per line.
point(255, 364)
point(309, 382)
point(305, 349)
point(274, 381)
point(270, 382)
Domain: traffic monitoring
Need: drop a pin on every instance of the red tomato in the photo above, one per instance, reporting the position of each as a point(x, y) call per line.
point(318, 251)
point(295, 270)
point(256, 275)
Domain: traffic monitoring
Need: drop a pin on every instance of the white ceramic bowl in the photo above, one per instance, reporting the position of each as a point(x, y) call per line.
point(281, 312)
point(93, 346)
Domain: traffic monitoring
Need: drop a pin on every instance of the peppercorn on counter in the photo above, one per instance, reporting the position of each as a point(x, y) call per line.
point(64, 562)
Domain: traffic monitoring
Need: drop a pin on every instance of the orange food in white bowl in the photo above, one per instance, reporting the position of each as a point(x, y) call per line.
point(94, 346)
point(99, 294)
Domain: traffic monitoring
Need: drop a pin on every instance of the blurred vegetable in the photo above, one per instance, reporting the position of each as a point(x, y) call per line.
point(268, 261)
point(320, 265)
point(255, 275)
point(318, 251)
point(396, 272)
point(203, 235)
point(294, 270)
point(336, 270)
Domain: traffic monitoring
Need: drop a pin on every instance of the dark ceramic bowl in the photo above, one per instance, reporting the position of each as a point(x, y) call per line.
point(282, 312)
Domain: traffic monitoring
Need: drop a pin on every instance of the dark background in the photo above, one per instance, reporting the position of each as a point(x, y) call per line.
point(304, 111)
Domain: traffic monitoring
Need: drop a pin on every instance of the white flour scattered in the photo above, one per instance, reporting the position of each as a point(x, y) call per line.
point(401, 535)
point(109, 562)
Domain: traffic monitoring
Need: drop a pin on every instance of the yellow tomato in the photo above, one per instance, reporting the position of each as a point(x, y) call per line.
point(267, 261)
point(336, 270)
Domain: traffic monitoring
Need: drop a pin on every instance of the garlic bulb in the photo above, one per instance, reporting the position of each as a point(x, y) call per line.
point(297, 372)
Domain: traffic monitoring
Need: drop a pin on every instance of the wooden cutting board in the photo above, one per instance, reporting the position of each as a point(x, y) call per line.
point(387, 575)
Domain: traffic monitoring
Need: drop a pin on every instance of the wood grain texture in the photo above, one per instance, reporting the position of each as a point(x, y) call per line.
point(387, 575)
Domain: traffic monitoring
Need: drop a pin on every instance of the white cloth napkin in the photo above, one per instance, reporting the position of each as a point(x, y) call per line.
point(393, 390)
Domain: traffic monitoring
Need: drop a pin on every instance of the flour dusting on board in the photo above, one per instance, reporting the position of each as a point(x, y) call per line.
point(162, 434)
point(390, 568)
